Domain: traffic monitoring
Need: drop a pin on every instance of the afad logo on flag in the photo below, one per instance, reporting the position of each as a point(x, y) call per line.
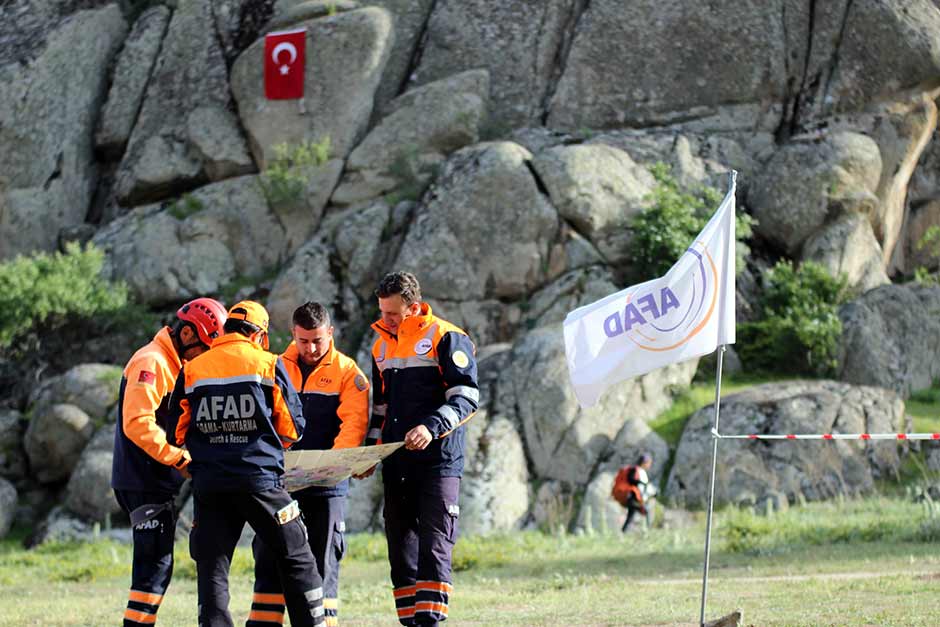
point(685, 314)
point(284, 55)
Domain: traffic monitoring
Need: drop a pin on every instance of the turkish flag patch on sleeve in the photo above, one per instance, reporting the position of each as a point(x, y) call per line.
point(147, 377)
point(284, 64)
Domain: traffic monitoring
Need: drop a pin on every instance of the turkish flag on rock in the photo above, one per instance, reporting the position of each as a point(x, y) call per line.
point(284, 64)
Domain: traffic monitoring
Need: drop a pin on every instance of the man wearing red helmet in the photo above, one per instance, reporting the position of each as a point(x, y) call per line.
point(147, 470)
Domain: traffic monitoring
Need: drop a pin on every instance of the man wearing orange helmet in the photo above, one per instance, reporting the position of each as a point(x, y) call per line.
point(238, 411)
point(147, 470)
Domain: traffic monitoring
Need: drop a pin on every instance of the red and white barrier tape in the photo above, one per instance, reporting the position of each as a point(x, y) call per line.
point(830, 436)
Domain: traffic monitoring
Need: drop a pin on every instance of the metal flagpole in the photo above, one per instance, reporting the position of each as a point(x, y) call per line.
point(711, 484)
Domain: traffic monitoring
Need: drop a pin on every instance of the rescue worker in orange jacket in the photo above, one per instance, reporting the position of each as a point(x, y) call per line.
point(238, 411)
point(335, 397)
point(147, 470)
point(634, 490)
point(424, 387)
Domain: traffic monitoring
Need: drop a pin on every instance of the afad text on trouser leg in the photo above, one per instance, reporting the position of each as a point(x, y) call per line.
point(152, 566)
point(426, 602)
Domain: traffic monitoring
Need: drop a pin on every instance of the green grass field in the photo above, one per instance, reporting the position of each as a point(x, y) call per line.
point(860, 562)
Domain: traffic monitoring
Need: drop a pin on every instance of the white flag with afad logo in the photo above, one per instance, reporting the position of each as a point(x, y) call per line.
point(685, 314)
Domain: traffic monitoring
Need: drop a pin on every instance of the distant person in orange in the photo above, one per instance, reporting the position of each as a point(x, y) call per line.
point(633, 489)
point(335, 398)
point(238, 411)
point(147, 469)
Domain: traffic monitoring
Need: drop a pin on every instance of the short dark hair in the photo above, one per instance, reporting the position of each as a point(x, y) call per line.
point(645, 458)
point(403, 283)
point(243, 327)
point(311, 315)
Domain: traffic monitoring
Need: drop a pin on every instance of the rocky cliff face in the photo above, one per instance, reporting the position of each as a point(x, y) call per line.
point(500, 151)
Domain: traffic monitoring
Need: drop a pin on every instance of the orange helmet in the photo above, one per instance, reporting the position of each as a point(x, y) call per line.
point(207, 316)
point(253, 313)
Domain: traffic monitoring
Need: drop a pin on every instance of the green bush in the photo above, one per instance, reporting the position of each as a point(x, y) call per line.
point(663, 232)
point(45, 292)
point(930, 241)
point(799, 327)
point(286, 178)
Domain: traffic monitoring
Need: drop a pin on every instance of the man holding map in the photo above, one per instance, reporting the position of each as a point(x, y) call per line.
point(335, 398)
point(424, 373)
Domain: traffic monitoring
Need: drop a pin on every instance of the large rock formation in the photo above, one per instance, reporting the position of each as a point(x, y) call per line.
point(201, 142)
point(494, 494)
point(12, 457)
point(501, 37)
point(306, 278)
point(834, 57)
point(825, 109)
point(89, 492)
point(93, 388)
point(463, 223)
point(891, 338)
point(419, 130)
point(749, 470)
point(599, 190)
point(64, 412)
point(7, 506)
point(902, 127)
point(564, 441)
point(129, 83)
point(55, 439)
point(48, 108)
point(848, 246)
point(195, 245)
point(807, 181)
point(409, 18)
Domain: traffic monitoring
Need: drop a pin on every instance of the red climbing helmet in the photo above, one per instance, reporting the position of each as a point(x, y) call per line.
point(207, 316)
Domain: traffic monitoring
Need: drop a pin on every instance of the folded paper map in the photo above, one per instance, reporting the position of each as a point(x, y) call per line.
point(304, 469)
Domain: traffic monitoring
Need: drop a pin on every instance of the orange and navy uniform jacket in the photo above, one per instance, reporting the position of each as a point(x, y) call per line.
point(238, 411)
point(626, 490)
point(426, 374)
point(144, 458)
point(335, 399)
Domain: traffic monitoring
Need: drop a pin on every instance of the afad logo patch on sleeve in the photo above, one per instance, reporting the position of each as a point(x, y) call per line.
point(460, 359)
point(147, 377)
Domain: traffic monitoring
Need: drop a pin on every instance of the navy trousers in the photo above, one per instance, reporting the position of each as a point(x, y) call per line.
point(325, 519)
point(152, 565)
point(421, 515)
point(218, 523)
